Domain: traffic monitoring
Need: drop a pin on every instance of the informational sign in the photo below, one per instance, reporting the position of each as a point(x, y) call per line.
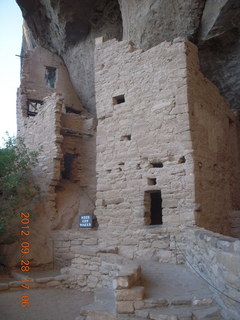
point(86, 221)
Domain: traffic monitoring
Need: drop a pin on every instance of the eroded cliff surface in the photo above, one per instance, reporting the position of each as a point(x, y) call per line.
point(69, 29)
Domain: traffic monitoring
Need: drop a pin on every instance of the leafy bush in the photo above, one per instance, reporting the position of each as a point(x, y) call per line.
point(16, 185)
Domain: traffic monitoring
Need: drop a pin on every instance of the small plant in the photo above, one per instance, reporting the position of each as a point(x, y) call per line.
point(16, 183)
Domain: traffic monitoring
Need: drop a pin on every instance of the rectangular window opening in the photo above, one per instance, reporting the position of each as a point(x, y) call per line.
point(33, 106)
point(156, 164)
point(126, 138)
point(153, 207)
point(118, 99)
point(50, 77)
point(152, 181)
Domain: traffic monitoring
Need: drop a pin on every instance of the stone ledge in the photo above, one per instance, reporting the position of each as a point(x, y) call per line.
point(133, 294)
point(127, 277)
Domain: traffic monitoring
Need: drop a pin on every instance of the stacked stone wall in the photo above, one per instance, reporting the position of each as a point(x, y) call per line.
point(214, 134)
point(217, 259)
point(43, 131)
point(33, 82)
point(151, 126)
point(66, 170)
point(87, 264)
point(157, 107)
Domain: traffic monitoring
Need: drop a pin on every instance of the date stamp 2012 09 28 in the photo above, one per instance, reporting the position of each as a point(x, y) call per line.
point(25, 250)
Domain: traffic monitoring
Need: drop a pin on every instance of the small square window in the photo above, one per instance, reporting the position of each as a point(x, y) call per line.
point(157, 165)
point(128, 137)
point(118, 99)
point(152, 181)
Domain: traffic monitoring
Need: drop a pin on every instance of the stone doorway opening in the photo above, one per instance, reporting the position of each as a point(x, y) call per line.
point(153, 207)
point(68, 163)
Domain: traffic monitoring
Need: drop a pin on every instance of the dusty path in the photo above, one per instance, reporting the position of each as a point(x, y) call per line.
point(46, 304)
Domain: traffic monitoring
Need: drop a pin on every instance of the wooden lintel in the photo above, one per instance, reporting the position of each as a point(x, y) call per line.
point(76, 133)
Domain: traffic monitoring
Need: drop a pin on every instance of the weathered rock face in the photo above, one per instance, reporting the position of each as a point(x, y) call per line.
point(69, 28)
point(148, 24)
point(220, 47)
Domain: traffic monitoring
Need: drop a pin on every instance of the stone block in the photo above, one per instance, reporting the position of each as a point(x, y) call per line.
point(154, 303)
point(53, 283)
point(90, 242)
point(132, 270)
point(124, 307)
point(144, 314)
point(202, 302)
point(161, 244)
point(207, 313)
point(230, 261)
point(44, 280)
point(122, 282)
point(132, 294)
point(139, 305)
point(161, 315)
point(181, 302)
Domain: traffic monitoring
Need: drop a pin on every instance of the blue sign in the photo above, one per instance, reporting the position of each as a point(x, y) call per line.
point(86, 220)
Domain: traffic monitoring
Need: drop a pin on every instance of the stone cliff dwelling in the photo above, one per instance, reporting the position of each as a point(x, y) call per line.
point(136, 108)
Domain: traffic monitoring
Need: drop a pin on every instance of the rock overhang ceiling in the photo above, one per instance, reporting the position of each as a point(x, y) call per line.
point(68, 28)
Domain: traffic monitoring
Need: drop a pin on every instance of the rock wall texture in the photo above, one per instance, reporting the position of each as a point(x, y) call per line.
point(217, 259)
point(69, 28)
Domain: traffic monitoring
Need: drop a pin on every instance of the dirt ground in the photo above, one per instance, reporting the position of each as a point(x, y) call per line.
point(46, 304)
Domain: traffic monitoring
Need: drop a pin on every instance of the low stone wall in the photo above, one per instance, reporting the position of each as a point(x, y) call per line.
point(87, 265)
point(217, 259)
point(58, 281)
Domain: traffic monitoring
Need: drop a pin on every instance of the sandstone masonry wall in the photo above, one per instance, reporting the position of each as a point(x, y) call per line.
point(151, 126)
point(43, 130)
point(214, 133)
point(217, 259)
point(156, 107)
point(86, 264)
point(33, 82)
point(66, 132)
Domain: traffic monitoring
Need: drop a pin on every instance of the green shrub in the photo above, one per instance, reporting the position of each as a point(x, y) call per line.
point(16, 184)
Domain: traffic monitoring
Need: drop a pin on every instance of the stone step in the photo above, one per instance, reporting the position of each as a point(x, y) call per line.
point(180, 313)
point(98, 311)
point(103, 307)
point(129, 318)
point(104, 294)
point(212, 313)
point(101, 315)
point(128, 277)
point(159, 303)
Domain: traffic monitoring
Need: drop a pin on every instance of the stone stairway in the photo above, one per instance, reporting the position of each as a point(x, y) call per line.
point(163, 310)
point(171, 292)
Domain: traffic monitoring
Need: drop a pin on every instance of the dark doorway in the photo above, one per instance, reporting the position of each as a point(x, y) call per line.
point(156, 208)
point(68, 163)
